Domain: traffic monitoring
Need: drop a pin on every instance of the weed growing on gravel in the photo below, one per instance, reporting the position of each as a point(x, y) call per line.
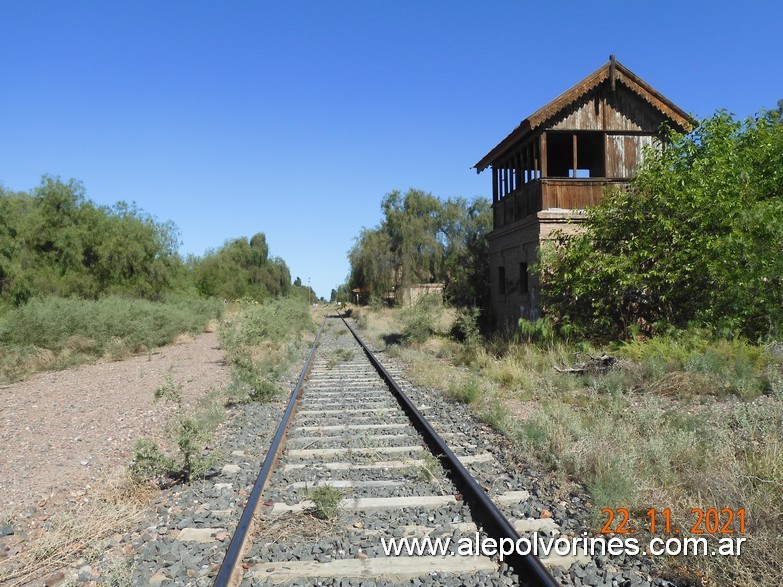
point(169, 391)
point(189, 432)
point(361, 441)
point(118, 572)
point(339, 356)
point(190, 436)
point(426, 470)
point(326, 501)
point(149, 461)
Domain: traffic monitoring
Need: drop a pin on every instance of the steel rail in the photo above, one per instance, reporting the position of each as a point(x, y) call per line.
point(529, 568)
point(235, 548)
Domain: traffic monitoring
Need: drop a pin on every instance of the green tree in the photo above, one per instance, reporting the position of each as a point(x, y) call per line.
point(422, 239)
point(466, 257)
point(55, 241)
point(242, 268)
point(413, 225)
point(696, 238)
point(13, 209)
point(372, 262)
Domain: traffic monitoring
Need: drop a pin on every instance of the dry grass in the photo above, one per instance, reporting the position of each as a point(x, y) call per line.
point(82, 531)
point(300, 526)
point(19, 362)
point(377, 324)
point(681, 422)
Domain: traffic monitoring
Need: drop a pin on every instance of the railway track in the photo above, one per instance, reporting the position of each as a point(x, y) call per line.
point(350, 426)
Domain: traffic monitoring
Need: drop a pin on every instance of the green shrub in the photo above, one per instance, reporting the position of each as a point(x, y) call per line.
point(466, 326)
point(190, 433)
point(466, 391)
point(50, 322)
point(362, 321)
point(326, 500)
point(69, 328)
point(540, 331)
point(263, 391)
point(696, 237)
point(261, 343)
point(695, 362)
point(149, 461)
point(191, 436)
point(276, 320)
point(420, 320)
point(169, 391)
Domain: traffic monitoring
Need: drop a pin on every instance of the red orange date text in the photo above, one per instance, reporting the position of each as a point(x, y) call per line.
point(704, 521)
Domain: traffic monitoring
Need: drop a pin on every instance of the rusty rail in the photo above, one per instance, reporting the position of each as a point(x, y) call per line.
point(528, 567)
point(228, 568)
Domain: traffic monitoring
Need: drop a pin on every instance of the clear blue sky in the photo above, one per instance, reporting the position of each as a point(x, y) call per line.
point(294, 118)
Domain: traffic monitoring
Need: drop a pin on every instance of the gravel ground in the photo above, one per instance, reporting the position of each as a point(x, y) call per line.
point(183, 538)
point(66, 433)
point(64, 430)
point(509, 471)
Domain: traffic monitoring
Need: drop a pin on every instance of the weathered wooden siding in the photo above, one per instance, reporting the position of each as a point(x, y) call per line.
point(601, 109)
point(519, 204)
point(626, 110)
point(545, 194)
point(571, 194)
point(625, 153)
point(586, 114)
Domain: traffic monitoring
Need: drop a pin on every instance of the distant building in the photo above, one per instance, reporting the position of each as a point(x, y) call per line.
point(557, 163)
point(411, 294)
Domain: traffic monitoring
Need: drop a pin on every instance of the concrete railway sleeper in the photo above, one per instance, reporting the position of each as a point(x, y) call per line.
point(350, 426)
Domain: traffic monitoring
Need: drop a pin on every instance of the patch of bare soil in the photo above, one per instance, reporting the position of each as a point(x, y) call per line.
point(520, 410)
point(62, 432)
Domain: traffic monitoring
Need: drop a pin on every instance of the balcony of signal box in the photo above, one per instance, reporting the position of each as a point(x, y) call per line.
point(572, 176)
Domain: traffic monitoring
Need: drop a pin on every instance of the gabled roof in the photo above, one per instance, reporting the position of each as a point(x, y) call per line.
point(612, 68)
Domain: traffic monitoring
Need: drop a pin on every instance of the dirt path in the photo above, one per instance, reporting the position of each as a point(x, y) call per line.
point(61, 432)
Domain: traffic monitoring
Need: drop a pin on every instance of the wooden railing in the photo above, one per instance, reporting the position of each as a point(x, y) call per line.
point(545, 193)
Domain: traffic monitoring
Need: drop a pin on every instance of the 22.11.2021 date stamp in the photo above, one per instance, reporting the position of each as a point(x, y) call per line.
point(704, 521)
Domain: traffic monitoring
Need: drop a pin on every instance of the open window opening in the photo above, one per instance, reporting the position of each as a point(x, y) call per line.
point(576, 155)
point(501, 281)
point(523, 283)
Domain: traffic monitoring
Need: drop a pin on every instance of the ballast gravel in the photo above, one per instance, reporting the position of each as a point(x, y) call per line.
point(160, 554)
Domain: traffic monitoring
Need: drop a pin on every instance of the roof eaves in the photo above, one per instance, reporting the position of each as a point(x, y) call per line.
point(626, 76)
point(655, 98)
point(514, 136)
point(531, 122)
point(569, 96)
